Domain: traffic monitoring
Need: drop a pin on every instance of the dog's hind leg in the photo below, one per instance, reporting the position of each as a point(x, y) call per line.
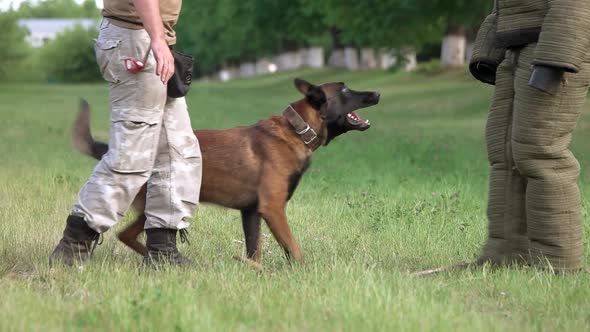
point(251, 225)
point(130, 234)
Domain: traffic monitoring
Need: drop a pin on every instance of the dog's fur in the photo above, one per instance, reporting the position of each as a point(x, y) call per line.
point(255, 169)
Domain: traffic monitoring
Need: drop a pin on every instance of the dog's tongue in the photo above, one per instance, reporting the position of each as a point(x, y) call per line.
point(356, 120)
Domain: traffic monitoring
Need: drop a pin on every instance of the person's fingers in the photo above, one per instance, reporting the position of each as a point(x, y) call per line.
point(171, 68)
point(165, 72)
point(159, 66)
point(169, 71)
point(165, 78)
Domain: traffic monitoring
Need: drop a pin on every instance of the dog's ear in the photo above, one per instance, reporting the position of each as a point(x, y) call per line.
point(316, 97)
point(314, 94)
point(303, 86)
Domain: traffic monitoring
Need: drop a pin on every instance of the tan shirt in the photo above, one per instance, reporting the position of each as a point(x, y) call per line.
point(125, 10)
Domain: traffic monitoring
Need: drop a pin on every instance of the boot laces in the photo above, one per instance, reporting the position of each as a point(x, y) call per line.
point(96, 241)
point(184, 236)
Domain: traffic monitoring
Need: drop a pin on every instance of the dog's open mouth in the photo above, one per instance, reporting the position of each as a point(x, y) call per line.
point(356, 121)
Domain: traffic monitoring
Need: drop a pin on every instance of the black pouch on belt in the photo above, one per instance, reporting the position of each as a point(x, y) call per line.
point(180, 82)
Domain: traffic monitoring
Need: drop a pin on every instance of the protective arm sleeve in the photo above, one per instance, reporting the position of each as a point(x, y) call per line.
point(565, 35)
point(486, 56)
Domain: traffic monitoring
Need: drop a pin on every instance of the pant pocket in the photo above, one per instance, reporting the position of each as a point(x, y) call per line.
point(134, 140)
point(107, 56)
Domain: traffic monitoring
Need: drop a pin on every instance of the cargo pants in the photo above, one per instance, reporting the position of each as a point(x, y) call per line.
point(534, 208)
point(151, 141)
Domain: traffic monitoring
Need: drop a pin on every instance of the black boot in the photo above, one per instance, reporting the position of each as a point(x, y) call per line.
point(161, 248)
point(77, 244)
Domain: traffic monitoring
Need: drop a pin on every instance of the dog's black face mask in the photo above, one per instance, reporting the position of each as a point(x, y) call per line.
point(337, 105)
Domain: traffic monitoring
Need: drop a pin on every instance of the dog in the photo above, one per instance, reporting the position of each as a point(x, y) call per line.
point(256, 169)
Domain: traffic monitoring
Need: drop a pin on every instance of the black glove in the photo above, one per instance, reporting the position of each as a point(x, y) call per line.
point(484, 71)
point(546, 79)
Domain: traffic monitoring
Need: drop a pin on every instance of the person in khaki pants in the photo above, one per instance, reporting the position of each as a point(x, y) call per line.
point(151, 137)
point(537, 53)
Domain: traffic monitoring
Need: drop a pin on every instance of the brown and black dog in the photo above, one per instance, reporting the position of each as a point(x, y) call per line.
point(256, 169)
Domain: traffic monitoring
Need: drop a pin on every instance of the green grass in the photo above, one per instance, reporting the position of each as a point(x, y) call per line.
point(407, 194)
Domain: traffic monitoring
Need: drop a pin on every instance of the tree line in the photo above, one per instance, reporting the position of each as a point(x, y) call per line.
point(228, 32)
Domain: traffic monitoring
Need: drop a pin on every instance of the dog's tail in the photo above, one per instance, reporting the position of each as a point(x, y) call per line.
point(82, 137)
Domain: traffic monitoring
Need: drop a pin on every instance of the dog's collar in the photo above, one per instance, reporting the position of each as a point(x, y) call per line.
point(302, 128)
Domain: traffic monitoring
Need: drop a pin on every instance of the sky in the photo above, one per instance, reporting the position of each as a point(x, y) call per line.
point(7, 4)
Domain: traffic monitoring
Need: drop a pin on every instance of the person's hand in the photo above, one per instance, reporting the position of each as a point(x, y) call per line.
point(164, 59)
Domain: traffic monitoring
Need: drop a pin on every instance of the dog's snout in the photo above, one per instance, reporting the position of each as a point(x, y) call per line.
point(370, 98)
point(373, 97)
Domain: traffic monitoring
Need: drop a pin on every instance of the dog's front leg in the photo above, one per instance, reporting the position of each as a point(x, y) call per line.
point(272, 208)
point(276, 220)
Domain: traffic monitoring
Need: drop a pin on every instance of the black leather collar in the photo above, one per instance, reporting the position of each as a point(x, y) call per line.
point(302, 128)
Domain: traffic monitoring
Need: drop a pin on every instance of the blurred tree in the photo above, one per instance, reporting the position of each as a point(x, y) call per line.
point(70, 57)
point(58, 9)
point(403, 23)
point(14, 47)
point(377, 23)
point(458, 16)
point(228, 31)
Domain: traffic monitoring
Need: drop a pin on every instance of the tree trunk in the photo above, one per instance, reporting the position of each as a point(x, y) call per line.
point(453, 47)
point(336, 41)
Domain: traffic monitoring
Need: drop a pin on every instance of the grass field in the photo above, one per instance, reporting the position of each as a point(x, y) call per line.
point(407, 194)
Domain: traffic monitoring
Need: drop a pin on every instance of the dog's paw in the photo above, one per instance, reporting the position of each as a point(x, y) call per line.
point(250, 263)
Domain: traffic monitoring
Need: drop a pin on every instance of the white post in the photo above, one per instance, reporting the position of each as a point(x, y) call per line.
point(453, 51)
point(411, 60)
point(351, 58)
point(313, 57)
point(368, 58)
point(247, 69)
point(228, 74)
point(386, 59)
point(336, 59)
